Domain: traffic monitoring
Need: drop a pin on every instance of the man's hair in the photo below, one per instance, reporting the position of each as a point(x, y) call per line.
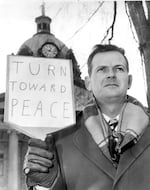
point(101, 49)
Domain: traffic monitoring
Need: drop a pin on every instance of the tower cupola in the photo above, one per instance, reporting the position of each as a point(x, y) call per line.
point(43, 22)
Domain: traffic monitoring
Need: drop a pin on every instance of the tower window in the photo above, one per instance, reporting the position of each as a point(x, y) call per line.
point(39, 26)
point(1, 164)
point(44, 26)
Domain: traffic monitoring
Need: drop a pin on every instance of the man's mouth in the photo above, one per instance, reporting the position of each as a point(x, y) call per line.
point(111, 84)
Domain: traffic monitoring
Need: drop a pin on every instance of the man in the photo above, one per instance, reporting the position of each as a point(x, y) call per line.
point(108, 148)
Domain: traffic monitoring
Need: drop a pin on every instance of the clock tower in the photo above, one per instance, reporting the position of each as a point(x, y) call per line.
point(44, 44)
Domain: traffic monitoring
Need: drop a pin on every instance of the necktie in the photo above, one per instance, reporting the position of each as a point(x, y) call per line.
point(113, 139)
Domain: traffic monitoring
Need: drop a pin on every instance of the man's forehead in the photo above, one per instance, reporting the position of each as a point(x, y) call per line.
point(113, 57)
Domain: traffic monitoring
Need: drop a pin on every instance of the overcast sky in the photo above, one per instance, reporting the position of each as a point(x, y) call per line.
point(73, 24)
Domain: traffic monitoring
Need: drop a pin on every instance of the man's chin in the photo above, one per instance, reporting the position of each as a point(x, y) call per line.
point(112, 91)
point(111, 95)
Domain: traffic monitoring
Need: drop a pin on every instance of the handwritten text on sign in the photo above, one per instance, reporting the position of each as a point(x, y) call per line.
point(39, 92)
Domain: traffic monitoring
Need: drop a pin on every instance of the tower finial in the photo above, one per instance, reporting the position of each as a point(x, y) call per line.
point(43, 8)
point(43, 22)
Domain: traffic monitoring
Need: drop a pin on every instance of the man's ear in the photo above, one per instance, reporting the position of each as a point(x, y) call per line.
point(129, 81)
point(88, 83)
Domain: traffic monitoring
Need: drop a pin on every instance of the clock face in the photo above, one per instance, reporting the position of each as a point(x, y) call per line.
point(49, 50)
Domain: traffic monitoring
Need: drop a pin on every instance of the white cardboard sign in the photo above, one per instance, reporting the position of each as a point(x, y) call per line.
point(39, 95)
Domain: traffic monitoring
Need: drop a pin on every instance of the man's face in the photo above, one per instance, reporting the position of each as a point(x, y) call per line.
point(109, 78)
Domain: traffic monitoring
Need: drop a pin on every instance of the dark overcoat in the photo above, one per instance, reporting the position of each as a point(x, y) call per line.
point(85, 167)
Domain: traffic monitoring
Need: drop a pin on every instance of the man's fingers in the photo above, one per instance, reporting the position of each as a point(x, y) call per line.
point(40, 160)
point(37, 143)
point(40, 163)
point(35, 167)
point(40, 152)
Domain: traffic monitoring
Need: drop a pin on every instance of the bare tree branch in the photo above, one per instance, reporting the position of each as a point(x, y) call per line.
point(148, 9)
point(113, 23)
point(111, 28)
point(88, 20)
point(58, 12)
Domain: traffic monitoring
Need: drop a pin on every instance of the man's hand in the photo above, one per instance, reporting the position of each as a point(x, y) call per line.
point(40, 165)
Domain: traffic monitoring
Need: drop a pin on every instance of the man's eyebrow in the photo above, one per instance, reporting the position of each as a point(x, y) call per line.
point(119, 65)
point(101, 66)
point(124, 66)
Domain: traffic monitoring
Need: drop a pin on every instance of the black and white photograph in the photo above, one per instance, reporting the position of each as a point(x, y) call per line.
point(74, 95)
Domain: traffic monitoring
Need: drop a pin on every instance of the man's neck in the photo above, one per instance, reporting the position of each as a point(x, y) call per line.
point(111, 110)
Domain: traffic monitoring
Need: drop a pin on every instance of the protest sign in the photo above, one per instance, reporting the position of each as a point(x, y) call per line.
point(39, 95)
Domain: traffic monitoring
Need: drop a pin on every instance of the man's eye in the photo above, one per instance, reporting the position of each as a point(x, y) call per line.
point(120, 69)
point(102, 69)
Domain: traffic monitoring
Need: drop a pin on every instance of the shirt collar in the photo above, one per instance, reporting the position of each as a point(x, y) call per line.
point(107, 118)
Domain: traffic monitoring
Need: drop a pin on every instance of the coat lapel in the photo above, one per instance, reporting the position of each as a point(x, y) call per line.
point(131, 155)
point(84, 142)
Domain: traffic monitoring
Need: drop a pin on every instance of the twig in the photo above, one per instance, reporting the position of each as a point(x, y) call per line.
point(111, 28)
point(79, 29)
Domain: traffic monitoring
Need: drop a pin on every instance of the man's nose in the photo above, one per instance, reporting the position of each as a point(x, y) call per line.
point(111, 73)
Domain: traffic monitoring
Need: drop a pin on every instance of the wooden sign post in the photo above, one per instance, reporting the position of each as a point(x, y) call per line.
point(39, 95)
